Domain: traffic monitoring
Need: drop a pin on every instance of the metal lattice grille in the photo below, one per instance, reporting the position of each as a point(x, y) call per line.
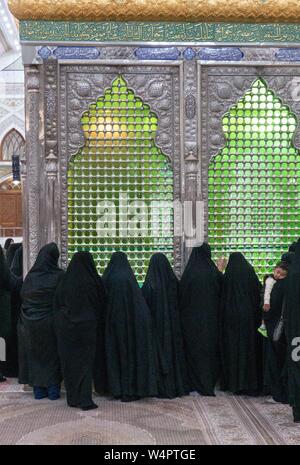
point(12, 144)
point(254, 182)
point(120, 184)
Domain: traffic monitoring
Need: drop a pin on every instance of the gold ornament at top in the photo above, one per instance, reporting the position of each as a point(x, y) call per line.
point(242, 11)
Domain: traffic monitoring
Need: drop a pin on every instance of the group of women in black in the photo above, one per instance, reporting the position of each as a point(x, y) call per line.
point(11, 279)
point(166, 339)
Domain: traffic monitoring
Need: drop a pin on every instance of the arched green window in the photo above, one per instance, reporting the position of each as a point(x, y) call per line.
point(254, 182)
point(120, 184)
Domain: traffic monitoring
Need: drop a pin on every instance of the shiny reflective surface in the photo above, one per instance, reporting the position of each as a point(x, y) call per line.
point(254, 182)
point(256, 11)
point(120, 184)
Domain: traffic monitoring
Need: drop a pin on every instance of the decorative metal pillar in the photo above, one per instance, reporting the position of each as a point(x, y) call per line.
point(192, 180)
point(193, 224)
point(31, 212)
point(24, 211)
point(51, 173)
point(51, 193)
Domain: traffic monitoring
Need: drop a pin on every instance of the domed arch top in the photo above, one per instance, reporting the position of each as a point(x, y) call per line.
point(13, 143)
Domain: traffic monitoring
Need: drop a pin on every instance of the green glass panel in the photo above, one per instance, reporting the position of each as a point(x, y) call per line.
point(119, 156)
point(261, 219)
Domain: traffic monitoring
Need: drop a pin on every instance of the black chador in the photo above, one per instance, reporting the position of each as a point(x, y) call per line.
point(200, 289)
point(5, 286)
point(128, 335)
point(7, 243)
point(292, 247)
point(17, 264)
point(79, 308)
point(241, 348)
point(160, 290)
point(11, 251)
point(287, 258)
point(16, 269)
point(38, 357)
point(292, 332)
point(276, 352)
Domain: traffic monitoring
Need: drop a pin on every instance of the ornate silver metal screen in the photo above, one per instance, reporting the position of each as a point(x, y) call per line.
point(93, 92)
point(189, 88)
point(253, 183)
point(120, 184)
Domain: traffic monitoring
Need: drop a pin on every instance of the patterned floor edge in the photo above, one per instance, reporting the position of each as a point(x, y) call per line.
point(192, 420)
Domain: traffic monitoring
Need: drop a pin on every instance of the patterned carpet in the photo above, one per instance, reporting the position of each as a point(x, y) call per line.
point(192, 420)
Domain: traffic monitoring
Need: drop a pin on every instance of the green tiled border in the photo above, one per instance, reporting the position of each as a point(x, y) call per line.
point(51, 31)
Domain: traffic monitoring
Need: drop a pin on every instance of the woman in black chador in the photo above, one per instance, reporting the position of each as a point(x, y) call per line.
point(275, 375)
point(11, 252)
point(160, 290)
point(200, 289)
point(17, 264)
point(16, 269)
point(292, 333)
point(288, 257)
point(241, 348)
point(79, 308)
point(5, 286)
point(128, 335)
point(7, 244)
point(38, 358)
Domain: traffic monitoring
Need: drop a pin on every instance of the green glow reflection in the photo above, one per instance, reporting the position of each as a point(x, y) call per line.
point(119, 157)
point(253, 182)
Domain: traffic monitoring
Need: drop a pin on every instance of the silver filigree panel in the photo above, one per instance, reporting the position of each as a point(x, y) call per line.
point(189, 97)
point(80, 85)
point(222, 87)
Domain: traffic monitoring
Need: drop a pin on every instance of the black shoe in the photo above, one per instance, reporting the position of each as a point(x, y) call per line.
point(2, 379)
point(281, 400)
point(296, 415)
point(129, 398)
point(90, 407)
point(72, 405)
